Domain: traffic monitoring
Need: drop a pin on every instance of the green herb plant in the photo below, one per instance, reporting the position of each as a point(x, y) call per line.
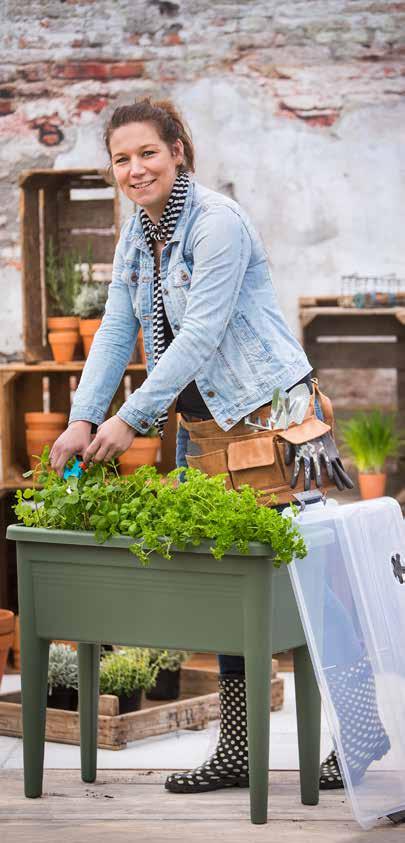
point(371, 438)
point(63, 667)
point(89, 302)
point(122, 672)
point(168, 659)
point(158, 513)
point(63, 280)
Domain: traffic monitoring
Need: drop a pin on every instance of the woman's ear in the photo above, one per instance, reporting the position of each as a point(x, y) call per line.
point(178, 151)
point(109, 174)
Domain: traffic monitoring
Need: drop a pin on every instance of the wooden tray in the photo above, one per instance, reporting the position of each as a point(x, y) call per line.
point(198, 704)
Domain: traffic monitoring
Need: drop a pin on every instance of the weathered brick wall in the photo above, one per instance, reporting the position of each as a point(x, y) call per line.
point(296, 108)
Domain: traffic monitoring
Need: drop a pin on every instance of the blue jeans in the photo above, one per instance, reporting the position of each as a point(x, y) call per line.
point(236, 664)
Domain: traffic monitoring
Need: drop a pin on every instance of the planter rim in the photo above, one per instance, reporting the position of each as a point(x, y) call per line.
point(17, 532)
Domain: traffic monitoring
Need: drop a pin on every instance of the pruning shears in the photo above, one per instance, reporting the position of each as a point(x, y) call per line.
point(76, 470)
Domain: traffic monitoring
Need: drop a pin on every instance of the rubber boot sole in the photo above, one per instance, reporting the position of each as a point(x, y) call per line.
point(177, 787)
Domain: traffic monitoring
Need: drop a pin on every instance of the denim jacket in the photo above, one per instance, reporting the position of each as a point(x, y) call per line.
point(229, 333)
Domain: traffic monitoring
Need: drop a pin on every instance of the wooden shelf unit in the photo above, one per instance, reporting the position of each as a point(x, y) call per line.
point(21, 391)
point(346, 337)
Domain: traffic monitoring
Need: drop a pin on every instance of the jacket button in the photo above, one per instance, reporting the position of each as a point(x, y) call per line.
point(144, 424)
point(134, 277)
point(165, 291)
point(229, 421)
point(184, 276)
point(210, 394)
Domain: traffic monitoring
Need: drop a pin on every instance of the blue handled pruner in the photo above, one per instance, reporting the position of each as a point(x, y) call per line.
point(74, 471)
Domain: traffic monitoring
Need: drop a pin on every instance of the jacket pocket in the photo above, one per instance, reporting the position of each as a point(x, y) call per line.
point(257, 462)
point(257, 348)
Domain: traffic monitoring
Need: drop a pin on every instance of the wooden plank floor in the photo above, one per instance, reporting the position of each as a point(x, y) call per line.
point(133, 806)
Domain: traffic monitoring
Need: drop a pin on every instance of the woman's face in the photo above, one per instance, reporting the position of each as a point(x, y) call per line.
point(144, 166)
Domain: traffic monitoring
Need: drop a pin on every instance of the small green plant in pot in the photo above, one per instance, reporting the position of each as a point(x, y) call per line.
point(125, 673)
point(63, 677)
point(168, 679)
point(89, 305)
point(63, 280)
point(371, 438)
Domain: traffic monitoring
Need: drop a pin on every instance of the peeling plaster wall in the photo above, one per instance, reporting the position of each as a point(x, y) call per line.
point(297, 111)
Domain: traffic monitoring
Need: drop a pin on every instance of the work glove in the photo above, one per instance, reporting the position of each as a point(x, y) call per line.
point(313, 456)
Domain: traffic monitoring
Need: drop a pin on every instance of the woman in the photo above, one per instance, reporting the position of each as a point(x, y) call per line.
point(192, 271)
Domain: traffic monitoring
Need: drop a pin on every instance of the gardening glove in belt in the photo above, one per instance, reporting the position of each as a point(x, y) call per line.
point(313, 456)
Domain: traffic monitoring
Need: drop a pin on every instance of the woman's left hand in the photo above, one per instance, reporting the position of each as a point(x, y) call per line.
point(113, 437)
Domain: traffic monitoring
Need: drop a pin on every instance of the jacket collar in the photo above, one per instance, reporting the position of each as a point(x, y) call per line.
point(137, 233)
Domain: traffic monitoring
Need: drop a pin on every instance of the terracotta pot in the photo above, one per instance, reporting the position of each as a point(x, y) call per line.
point(372, 485)
point(6, 637)
point(63, 323)
point(63, 344)
point(38, 435)
point(88, 328)
point(143, 451)
point(50, 421)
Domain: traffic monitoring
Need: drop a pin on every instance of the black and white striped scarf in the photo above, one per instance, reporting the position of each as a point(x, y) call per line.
point(163, 230)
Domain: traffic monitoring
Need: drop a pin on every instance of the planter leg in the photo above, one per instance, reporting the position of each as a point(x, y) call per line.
point(89, 663)
point(258, 688)
point(308, 704)
point(34, 683)
point(34, 686)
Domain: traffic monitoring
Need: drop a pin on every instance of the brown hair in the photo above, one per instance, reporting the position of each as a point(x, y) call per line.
point(167, 121)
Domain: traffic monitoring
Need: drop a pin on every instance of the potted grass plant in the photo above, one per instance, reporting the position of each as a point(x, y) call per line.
point(126, 673)
point(143, 451)
point(63, 280)
point(167, 685)
point(371, 438)
point(89, 306)
point(63, 679)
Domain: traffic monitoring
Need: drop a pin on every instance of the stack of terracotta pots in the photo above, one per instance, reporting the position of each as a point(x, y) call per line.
point(63, 336)
point(6, 637)
point(42, 429)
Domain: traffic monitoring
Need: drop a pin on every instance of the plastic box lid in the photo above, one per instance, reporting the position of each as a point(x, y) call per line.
point(350, 591)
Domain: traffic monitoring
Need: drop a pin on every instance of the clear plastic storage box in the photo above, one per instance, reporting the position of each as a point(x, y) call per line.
point(350, 591)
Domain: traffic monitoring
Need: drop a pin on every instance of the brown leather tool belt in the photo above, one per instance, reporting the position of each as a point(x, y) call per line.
point(257, 457)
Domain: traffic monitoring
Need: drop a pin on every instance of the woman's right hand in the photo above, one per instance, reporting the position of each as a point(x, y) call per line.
point(74, 440)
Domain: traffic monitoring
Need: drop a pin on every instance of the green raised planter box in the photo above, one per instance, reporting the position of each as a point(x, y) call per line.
point(72, 588)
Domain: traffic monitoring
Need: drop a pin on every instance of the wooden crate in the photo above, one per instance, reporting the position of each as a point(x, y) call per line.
point(336, 337)
point(21, 391)
point(57, 204)
point(197, 706)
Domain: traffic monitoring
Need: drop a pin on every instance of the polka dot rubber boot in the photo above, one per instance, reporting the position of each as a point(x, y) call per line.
point(228, 766)
point(363, 736)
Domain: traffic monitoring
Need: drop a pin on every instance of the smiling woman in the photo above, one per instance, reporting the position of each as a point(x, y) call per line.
point(191, 270)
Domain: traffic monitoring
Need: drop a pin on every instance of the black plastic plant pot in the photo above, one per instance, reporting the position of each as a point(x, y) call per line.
point(167, 686)
point(132, 703)
point(65, 698)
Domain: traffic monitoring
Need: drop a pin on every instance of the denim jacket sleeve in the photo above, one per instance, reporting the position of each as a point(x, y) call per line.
point(221, 248)
point(111, 349)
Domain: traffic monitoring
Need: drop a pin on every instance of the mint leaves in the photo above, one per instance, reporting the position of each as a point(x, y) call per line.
point(158, 512)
